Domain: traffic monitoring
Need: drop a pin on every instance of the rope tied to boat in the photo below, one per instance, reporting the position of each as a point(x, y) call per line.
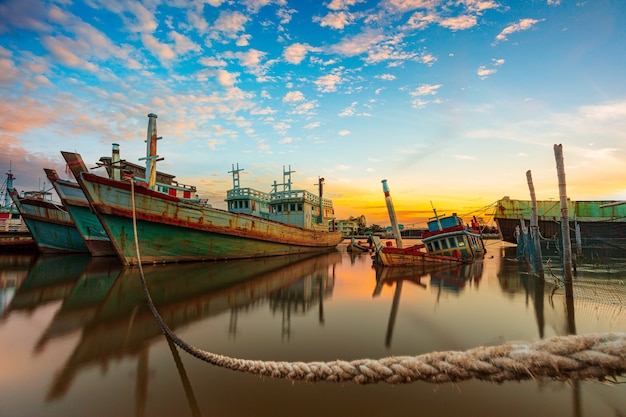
point(577, 357)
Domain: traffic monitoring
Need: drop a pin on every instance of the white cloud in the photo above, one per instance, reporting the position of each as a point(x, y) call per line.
point(523, 24)
point(295, 53)
point(293, 96)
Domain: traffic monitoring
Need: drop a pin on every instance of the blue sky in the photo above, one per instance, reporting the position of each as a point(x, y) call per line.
point(450, 101)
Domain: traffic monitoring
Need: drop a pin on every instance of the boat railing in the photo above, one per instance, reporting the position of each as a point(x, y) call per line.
point(246, 193)
point(300, 195)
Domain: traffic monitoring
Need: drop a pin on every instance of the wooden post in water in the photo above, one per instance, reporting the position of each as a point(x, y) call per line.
point(392, 215)
point(536, 258)
point(565, 235)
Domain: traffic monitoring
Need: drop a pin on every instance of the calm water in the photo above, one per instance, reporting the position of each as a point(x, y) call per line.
point(77, 339)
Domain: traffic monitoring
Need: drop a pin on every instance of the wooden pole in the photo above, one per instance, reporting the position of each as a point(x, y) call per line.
point(392, 215)
point(565, 235)
point(534, 228)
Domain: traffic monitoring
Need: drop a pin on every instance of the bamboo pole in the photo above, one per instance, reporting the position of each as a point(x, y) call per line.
point(537, 259)
point(565, 235)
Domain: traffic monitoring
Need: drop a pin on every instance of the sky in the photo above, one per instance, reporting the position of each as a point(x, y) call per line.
point(451, 101)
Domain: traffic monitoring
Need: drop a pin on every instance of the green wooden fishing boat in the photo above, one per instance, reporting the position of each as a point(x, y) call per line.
point(173, 225)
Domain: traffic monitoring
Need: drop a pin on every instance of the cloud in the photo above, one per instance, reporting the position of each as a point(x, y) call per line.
point(344, 132)
point(9, 73)
point(328, 83)
point(63, 49)
point(295, 53)
point(182, 44)
point(230, 24)
point(343, 4)
point(483, 72)
point(459, 22)
point(359, 44)
point(226, 78)
point(386, 77)
point(337, 20)
point(523, 24)
point(161, 50)
point(293, 96)
point(426, 89)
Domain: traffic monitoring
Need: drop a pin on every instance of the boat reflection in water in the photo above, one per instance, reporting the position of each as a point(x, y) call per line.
point(50, 278)
point(13, 271)
point(120, 323)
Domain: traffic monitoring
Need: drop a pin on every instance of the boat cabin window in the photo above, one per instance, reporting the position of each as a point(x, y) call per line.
point(444, 244)
point(452, 242)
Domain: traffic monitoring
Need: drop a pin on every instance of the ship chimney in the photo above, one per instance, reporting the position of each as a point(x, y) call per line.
point(115, 162)
point(392, 214)
point(151, 151)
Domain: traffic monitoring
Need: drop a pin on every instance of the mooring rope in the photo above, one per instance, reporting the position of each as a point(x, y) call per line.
point(578, 357)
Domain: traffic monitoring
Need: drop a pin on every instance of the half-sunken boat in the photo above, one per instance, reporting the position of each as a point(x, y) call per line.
point(447, 241)
point(448, 236)
point(173, 225)
point(86, 222)
point(49, 223)
point(599, 222)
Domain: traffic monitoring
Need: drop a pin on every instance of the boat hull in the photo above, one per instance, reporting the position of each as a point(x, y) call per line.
point(598, 225)
point(52, 228)
point(86, 221)
point(391, 256)
point(173, 230)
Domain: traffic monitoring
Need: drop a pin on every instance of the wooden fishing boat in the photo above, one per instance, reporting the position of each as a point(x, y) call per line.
point(49, 223)
point(173, 225)
point(86, 222)
point(14, 234)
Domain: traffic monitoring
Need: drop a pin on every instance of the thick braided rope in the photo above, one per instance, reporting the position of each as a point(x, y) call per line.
point(590, 356)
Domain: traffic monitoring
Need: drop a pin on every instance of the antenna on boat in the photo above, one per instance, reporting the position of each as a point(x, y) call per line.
point(151, 151)
point(436, 216)
point(235, 173)
point(392, 214)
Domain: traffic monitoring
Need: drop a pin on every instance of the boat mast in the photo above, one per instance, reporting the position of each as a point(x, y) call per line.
point(392, 215)
point(151, 151)
point(235, 173)
point(436, 216)
point(9, 187)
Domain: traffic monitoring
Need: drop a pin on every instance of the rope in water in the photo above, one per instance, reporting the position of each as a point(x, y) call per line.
point(577, 357)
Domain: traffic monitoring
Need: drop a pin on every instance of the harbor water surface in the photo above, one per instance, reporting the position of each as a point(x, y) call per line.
point(77, 337)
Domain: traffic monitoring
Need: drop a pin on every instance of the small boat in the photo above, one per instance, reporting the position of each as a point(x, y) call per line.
point(14, 234)
point(357, 246)
point(49, 223)
point(174, 225)
point(78, 207)
point(447, 242)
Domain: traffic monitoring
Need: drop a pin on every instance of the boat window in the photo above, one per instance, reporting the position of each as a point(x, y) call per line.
point(452, 242)
point(436, 246)
point(292, 207)
point(246, 203)
point(299, 206)
point(279, 207)
point(444, 244)
point(461, 243)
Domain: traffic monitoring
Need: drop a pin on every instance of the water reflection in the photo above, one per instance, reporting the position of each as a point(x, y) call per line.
point(88, 314)
point(121, 323)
